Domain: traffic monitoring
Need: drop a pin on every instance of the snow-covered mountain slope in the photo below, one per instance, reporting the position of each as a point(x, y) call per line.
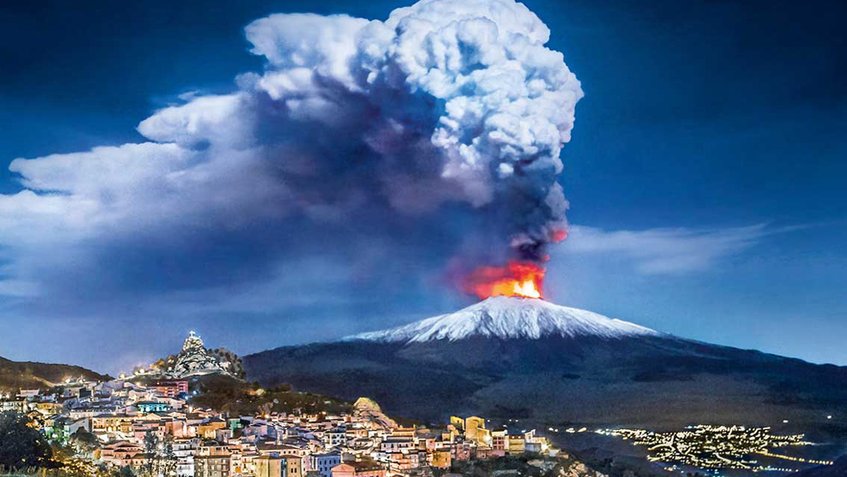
point(582, 367)
point(508, 317)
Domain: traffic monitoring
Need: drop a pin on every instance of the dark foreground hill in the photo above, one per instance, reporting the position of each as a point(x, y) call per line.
point(227, 394)
point(15, 375)
point(529, 359)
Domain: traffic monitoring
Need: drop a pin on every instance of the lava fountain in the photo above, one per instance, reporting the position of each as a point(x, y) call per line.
point(515, 278)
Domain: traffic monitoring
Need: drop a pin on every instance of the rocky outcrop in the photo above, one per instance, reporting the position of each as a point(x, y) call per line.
point(196, 360)
point(367, 409)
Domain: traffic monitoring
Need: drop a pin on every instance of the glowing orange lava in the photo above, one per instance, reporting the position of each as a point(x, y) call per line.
point(523, 279)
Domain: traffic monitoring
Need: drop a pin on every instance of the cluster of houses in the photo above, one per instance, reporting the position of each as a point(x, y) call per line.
point(122, 419)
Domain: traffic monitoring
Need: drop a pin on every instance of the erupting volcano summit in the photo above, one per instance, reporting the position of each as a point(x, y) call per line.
point(520, 279)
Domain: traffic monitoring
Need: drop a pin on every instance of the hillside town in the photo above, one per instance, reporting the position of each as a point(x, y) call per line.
point(150, 426)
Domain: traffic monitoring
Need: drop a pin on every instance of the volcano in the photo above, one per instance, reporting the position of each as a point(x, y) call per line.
point(507, 318)
point(525, 358)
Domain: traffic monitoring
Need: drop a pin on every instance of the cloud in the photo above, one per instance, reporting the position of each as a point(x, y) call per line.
point(392, 148)
point(18, 288)
point(666, 251)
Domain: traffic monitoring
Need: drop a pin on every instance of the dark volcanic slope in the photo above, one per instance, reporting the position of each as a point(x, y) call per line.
point(653, 380)
point(526, 358)
point(15, 375)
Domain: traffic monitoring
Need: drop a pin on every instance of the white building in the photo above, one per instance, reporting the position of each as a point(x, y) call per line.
point(184, 450)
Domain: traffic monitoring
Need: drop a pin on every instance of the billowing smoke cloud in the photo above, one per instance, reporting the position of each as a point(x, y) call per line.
point(435, 134)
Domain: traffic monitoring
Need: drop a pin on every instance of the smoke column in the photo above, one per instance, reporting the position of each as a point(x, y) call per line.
point(461, 101)
point(444, 106)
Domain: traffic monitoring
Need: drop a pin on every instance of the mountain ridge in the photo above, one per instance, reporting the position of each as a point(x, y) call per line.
point(637, 378)
point(15, 375)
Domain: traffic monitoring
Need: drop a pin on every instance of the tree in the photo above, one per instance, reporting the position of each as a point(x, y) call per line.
point(151, 451)
point(21, 445)
point(84, 441)
point(169, 460)
point(125, 471)
point(160, 459)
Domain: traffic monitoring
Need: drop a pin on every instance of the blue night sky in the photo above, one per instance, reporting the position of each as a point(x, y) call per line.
point(705, 175)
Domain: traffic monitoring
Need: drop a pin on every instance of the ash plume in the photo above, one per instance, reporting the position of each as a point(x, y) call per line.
point(445, 120)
